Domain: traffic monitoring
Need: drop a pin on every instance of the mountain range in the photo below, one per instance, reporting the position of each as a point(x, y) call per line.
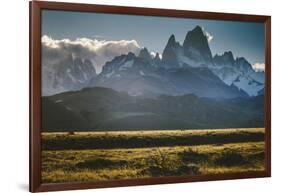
point(189, 68)
point(184, 87)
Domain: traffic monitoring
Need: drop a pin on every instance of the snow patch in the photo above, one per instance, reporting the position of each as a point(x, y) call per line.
point(249, 85)
point(71, 76)
point(84, 75)
point(108, 75)
point(142, 73)
point(126, 65)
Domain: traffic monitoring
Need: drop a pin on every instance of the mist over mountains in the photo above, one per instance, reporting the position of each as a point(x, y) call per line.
point(61, 53)
point(103, 109)
point(184, 87)
point(69, 74)
point(183, 69)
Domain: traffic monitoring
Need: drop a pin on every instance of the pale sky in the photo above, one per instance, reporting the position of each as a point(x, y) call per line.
point(242, 38)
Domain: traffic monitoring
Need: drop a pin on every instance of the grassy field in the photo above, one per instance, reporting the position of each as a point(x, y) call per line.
point(95, 156)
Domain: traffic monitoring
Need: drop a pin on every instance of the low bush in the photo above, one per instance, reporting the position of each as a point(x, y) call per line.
point(191, 156)
point(164, 165)
point(230, 158)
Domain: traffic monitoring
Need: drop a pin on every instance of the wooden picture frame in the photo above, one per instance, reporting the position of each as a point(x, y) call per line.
point(35, 93)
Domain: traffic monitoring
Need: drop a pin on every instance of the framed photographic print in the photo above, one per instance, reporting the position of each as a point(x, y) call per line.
point(123, 96)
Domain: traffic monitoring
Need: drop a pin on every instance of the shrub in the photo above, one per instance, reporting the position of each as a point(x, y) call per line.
point(192, 156)
point(230, 158)
point(190, 169)
point(162, 165)
point(257, 156)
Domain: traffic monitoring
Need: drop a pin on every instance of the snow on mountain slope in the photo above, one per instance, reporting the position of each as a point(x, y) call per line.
point(249, 84)
point(195, 52)
point(238, 72)
point(197, 72)
point(66, 75)
point(138, 76)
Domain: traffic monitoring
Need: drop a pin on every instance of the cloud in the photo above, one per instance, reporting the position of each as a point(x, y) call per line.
point(209, 36)
point(98, 51)
point(259, 67)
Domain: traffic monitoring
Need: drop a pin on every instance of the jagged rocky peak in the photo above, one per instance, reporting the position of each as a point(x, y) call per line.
point(121, 58)
point(170, 52)
point(195, 36)
point(157, 60)
point(243, 64)
point(226, 58)
point(157, 57)
point(241, 60)
point(145, 54)
point(196, 46)
point(130, 55)
point(172, 43)
point(229, 55)
point(117, 62)
point(172, 40)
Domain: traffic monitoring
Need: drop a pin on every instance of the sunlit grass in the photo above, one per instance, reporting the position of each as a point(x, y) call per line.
point(182, 132)
point(126, 163)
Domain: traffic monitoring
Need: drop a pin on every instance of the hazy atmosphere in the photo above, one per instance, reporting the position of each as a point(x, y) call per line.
point(127, 97)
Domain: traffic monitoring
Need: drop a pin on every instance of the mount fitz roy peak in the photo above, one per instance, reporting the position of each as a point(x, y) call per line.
point(183, 69)
point(195, 52)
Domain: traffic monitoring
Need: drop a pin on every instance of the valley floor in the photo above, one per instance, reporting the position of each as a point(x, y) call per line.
point(96, 156)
